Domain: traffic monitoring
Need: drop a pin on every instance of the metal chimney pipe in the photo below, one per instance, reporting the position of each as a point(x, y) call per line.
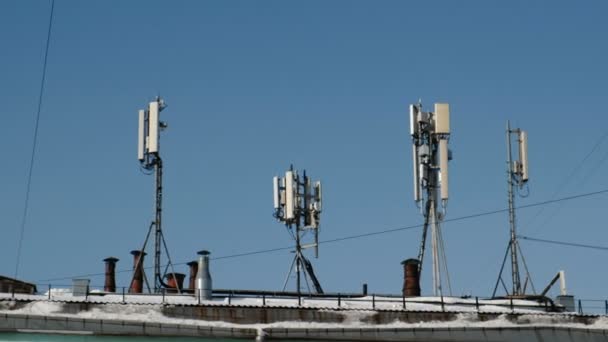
point(193, 270)
point(137, 284)
point(110, 282)
point(411, 283)
point(204, 288)
point(175, 282)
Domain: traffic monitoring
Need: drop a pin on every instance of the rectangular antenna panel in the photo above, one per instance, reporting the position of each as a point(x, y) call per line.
point(276, 191)
point(141, 145)
point(318, 197)
point(416, 162)
point(523, 154)
point(290, 194)
point(413, 119)
point(442, 118)
point(308, 193)
point(443, 167)
point(307, 200)
point(282, 191)
point(423, 173)
point(153, 127)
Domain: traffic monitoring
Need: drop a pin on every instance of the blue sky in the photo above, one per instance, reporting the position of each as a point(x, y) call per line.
point(255, 86)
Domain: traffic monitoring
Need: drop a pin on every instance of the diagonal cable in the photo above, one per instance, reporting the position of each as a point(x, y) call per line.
point(33, 154)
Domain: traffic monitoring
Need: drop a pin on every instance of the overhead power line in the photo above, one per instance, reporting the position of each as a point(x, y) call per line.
point(563, 243)
point(35, 143)
point(357, 236)
point(578, 166)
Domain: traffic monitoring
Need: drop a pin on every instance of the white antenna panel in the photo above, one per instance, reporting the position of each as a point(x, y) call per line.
point(523, 154)
point(308, 194)
point(276, 192)
point(423, 173)
point(153, 127)
point(443, 167)
point(141, 145)
point(413, 119)
point(442, 118)
point(416, 174)
point(318, 197)
point(290, 200)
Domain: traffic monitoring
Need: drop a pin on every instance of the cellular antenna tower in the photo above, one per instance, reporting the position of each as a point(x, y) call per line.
point(148, 154)
point(517, 177)
point(298, 203)
point(430, 135)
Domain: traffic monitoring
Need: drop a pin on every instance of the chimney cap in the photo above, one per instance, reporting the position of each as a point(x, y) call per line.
point(410, 261)
point(138, 252)
point(203, 252)
point(111, 259)
point(171, 275)
point(192, 263)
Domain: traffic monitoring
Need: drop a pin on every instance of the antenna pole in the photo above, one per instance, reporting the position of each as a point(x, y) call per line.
point(148, 154)
point(435, 248)
point(158, 169)
point(298, 257)
point(430, 133)
point(512, 223)
point(432, 214)
point(297, 203)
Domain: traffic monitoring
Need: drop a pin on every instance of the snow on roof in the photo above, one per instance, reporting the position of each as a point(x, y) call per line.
point(355, 310)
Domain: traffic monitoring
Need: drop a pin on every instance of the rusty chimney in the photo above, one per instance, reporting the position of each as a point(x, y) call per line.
point(193, 270)
point(110, 283)
point(137, 284)
point(411, 283)
point(175, 282)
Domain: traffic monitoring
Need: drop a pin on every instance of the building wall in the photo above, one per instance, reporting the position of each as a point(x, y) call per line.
point(10, 285)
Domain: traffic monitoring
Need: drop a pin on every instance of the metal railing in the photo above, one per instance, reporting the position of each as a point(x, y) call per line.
point(592, 306)
point(122, 295)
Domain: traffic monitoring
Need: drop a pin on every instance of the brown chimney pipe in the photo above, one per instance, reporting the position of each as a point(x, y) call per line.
point(193, 271)
point(137, 284)
point(175, 281)
point(411, 284)
point(110, 283)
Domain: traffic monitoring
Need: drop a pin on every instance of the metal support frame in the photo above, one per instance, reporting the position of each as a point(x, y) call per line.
point(302, 265)
point(427, 137)
point(514, 178)
point(153, 161)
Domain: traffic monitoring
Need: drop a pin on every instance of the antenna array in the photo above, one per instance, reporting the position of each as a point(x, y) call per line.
point(148, 154)
point(298, 202)
point(430, 135)
point(517, 176)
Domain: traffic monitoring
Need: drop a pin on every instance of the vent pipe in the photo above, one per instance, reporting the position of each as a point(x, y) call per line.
point(175, 282)
point(193, 270)
point(110, 282)
point(411, 284)
point(562, 283)
point(204, 289)
point(137, 283)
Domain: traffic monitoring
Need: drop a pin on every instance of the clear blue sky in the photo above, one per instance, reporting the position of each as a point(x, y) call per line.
point(255, 86)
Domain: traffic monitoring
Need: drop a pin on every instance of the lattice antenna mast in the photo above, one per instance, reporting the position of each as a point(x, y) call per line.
point(298, 203)
point(517, 177)
point(430, 135)
point(148, 154)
